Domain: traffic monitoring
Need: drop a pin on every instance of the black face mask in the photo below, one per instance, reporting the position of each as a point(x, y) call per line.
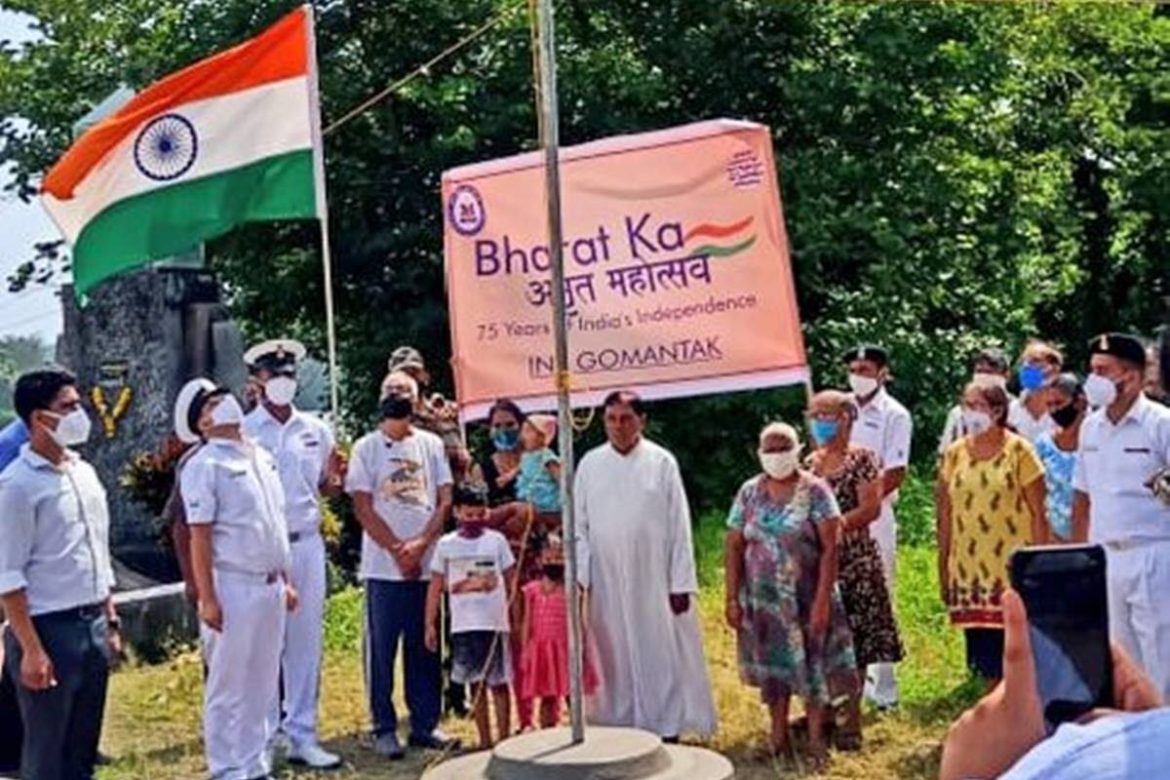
point(1066, 415)
point(555, 571)
point(397, 407)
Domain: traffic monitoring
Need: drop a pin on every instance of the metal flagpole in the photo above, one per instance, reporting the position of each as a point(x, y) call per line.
point(323, 217)
point(549, 127)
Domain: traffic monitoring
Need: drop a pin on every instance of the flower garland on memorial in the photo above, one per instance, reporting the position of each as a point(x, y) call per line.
point(149, 478)
point(110, 417)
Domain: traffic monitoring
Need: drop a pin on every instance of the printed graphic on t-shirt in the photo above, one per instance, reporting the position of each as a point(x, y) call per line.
point(407, 483)
point(472, 575)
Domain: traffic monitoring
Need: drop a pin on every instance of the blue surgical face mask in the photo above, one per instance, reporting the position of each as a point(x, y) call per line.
point(823, 431)
point(1031, 377)
point(505, 439)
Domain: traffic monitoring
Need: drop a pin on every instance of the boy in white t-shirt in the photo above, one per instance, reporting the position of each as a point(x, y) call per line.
point(474, 564)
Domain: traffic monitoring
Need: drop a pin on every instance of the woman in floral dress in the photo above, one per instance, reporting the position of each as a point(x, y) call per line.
point(854, 474)
point(782, 598)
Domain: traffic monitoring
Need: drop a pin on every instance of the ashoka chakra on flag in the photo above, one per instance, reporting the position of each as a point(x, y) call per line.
point(166, 147)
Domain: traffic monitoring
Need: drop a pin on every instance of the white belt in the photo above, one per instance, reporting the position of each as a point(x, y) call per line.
point(1126, 545)
point(266, 578)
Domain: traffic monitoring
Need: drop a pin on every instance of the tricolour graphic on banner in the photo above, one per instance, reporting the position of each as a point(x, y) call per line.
point(677, 273)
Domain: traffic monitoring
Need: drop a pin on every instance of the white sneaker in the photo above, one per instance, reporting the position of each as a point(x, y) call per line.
point(313, 756)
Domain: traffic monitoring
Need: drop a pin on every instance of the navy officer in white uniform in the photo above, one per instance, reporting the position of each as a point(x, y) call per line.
point(884, 426)
point(240, 560)
point(55, 580)
point(309, 466)
point(1124, 444)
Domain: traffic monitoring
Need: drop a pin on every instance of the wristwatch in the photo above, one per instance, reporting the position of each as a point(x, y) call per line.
point(114, 623)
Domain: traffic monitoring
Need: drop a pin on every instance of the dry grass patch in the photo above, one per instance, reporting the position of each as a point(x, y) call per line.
point(153, 727)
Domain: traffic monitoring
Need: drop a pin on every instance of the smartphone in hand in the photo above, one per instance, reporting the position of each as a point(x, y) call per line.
point(1063, 589)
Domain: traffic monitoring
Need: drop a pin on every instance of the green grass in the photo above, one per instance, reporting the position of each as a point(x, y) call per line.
point(153, 728)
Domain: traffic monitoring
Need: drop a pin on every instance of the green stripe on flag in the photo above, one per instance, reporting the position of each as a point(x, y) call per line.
point(164, 222)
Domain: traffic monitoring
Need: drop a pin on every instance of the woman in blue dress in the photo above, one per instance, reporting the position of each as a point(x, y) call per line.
point(1058, 452)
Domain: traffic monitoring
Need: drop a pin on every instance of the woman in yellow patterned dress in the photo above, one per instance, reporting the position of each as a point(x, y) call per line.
point(990, 500)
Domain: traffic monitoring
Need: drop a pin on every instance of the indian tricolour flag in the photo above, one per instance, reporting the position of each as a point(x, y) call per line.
point(232, 139)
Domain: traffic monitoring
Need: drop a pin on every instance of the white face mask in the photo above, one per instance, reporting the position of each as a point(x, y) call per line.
point(281, 390)
point(780, 465)
point(227, 412)
point(976, 422)
point(862, 386)
point(72, 429)
point(1100, 391)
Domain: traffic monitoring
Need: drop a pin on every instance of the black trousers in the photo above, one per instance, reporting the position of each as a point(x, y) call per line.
point(62, 725)
point(11, 730)
point(985, 652)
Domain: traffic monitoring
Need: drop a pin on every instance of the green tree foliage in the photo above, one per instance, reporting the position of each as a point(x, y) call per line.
point(953, 174)
point(17, 355)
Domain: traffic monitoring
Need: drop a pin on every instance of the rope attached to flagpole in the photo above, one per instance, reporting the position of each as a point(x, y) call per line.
point(421, 70)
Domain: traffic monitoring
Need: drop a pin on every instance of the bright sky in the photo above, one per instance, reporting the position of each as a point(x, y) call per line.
point(36, 310)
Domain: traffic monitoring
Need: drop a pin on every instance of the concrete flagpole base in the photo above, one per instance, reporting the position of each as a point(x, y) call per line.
point(612, 753)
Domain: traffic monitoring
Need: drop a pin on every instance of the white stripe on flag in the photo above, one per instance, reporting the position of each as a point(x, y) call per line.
point(231, 131)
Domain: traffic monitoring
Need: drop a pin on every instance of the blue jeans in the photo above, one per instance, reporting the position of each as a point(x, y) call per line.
point(397, 611)
point(62, 725)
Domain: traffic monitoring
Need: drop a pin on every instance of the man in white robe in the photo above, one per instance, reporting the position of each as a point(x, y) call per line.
point(636, 559)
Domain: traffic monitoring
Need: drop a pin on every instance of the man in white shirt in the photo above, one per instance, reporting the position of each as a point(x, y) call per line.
point(401, 486)
point(884, 426)
point(637, 559)
point(55, 581)
point(309, 466)
point(1123, 445)
point(1028, 415)
point(240, 561)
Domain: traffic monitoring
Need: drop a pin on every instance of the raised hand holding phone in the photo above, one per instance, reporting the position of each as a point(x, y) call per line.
point(1006, 723)
point(1064, 593)
point(1076, 669)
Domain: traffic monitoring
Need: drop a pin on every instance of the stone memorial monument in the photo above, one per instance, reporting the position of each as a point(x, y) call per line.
point(137, 340)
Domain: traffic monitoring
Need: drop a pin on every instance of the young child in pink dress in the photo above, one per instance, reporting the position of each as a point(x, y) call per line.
point(545, 630)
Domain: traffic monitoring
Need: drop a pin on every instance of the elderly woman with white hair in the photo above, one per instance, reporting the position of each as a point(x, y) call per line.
point(782, 598)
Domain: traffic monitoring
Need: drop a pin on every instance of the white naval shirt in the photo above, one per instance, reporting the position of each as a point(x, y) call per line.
point(1113, 464)
point(404, 478)
point(54, 533)
point(301, 447)
point(235, 488)
point(884, 426)
point(1031, 428)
